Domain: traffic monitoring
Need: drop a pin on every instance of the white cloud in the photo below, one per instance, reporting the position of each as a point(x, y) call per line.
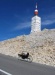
point(49, 19)
point(48, 22)
point(22, 26)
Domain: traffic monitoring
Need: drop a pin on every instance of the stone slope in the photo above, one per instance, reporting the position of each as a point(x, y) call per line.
point(41, 46)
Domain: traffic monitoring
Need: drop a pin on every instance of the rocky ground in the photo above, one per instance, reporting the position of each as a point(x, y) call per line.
point(41, 46)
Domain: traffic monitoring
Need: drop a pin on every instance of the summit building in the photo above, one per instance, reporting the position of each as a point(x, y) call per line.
point(36, 22)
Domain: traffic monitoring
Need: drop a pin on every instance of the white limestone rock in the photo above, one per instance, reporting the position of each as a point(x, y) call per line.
point(40, 45)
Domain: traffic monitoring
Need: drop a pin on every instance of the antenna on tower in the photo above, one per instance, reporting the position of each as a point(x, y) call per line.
point(36, 11)
point(36, 5)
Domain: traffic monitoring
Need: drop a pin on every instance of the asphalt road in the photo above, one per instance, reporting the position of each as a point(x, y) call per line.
point(17, 67)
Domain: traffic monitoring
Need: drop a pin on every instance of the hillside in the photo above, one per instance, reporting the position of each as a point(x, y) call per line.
point(40, 45)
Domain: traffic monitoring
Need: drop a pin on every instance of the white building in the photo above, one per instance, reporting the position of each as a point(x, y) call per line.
point(36, 22)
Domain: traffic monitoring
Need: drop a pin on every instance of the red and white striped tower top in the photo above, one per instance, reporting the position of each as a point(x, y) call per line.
point(36, 11)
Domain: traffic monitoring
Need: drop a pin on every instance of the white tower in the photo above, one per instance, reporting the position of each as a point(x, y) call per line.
point(36, 22)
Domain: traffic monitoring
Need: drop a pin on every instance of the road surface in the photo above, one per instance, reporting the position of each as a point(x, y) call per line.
point(13, 66)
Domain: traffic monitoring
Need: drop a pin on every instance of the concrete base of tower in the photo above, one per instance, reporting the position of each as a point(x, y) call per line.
point(35, 32)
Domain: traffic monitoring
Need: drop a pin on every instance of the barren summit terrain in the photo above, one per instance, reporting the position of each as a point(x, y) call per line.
point(40, 45)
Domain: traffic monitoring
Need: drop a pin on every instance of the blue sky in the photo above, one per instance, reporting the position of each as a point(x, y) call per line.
point(15, 16)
